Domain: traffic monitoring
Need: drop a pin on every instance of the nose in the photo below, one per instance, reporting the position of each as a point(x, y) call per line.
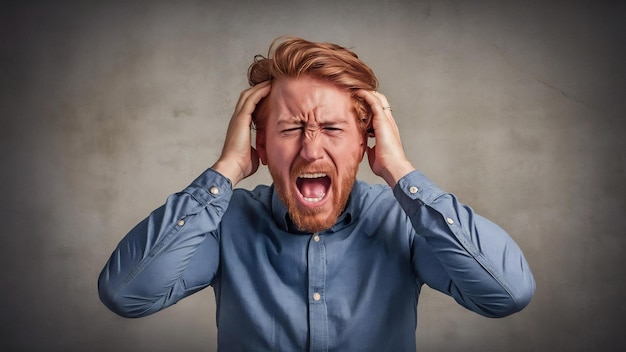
point(312, 148)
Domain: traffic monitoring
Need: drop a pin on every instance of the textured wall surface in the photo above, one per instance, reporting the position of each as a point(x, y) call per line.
point(107, 107)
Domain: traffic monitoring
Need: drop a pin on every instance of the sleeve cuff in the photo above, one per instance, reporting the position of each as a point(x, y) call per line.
point(209, 187)
point(416, 186)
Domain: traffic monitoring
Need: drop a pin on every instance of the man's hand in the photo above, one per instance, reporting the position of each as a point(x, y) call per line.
point(239, 159)
point(386, 158)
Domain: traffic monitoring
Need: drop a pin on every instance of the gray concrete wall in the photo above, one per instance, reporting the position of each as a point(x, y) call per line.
point(108, 107)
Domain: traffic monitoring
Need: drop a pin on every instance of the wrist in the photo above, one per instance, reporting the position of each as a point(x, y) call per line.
point(230, 170)
point(393, 174)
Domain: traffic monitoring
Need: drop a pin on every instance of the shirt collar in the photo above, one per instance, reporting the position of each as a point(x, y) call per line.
point(350, 213)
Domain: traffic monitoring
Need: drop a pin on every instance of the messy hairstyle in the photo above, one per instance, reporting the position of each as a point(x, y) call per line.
point(292, 57)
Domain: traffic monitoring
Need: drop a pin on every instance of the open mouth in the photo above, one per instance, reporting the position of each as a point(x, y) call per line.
point(313, 186)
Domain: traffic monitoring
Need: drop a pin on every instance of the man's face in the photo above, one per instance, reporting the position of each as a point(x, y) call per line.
point(313, 147)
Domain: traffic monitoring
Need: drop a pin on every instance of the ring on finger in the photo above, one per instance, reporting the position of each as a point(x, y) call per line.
point(388, 107)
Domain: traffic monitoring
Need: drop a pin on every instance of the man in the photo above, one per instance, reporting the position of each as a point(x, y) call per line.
point(317, 261)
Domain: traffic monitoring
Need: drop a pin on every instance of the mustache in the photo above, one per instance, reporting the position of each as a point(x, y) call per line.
point(300, 167)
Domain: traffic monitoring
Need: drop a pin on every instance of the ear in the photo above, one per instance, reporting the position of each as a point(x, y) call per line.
point(364, 141)
point(260, 146)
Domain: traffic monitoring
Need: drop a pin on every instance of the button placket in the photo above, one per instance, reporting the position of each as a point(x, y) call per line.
point(318, 316)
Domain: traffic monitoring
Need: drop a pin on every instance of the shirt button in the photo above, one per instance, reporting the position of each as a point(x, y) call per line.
point(316, 238)
point(450, 221)
point(316, 296)
point(181, 222)
point(413, 189)
point(214, 190)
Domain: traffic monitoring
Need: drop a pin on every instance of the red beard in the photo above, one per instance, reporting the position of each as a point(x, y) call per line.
point(314, 219)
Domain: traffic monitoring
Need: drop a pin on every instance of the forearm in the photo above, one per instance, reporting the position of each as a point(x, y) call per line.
point(487, 269)
point(147, 271)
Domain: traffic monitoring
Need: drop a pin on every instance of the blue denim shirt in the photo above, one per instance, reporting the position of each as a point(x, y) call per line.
point(354, 287)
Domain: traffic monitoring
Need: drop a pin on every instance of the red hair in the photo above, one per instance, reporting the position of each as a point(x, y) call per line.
point(291, 57)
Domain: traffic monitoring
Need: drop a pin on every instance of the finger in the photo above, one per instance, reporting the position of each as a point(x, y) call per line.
point(252, 96)
point(377, 102)
point(245, 94)
point(383, 100)
point(385, 107)
point(239, 125)
point(371, 99)
point(374, 99)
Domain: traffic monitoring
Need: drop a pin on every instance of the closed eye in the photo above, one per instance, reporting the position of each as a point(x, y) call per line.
point(332, 130)
point(291, 131)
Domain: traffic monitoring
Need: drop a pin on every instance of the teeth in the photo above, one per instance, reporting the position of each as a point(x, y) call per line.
point(313, 175)
point(314, 200)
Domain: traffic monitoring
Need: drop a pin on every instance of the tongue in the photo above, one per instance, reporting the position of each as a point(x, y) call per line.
point(313, 187)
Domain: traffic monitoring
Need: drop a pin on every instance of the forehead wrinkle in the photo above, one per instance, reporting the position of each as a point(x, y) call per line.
point(315, 117)
point(311, 106)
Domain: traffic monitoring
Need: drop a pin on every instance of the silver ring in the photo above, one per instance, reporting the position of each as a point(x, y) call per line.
point(388, 107)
